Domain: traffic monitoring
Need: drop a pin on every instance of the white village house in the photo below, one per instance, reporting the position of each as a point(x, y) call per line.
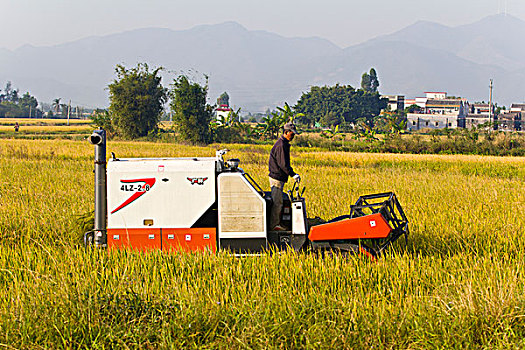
point(438, 112)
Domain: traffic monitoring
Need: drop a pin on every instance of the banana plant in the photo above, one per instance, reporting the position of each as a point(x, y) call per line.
point(246, 131)
point(330, 133)
point(271, 124)
point(228, 121)
point(219, 122)
point(395, 124)
point(234, 117)
point(365, 131)
point(334, 134)
point(288, 114)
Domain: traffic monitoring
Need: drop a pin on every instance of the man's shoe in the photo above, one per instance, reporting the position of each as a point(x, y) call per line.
point(279, 228)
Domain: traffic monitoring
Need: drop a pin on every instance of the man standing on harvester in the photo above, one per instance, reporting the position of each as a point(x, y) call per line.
point(280, 170)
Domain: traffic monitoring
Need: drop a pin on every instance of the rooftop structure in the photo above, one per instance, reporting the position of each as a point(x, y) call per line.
point(395, 102)
point(517, 107)
point(436, 95)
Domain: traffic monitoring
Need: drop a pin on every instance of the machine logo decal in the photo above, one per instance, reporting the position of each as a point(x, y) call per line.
point(197, 180)
point(138, 187)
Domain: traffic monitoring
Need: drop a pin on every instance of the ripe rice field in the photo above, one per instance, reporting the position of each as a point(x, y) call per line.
point(43, 121)
point(40, 128)
point(459, 283)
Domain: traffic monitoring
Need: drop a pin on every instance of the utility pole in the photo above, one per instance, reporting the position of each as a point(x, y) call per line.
point(68, 111)
point(490, 102)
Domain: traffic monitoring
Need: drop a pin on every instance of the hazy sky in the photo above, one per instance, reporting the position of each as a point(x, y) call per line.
point(345, 22)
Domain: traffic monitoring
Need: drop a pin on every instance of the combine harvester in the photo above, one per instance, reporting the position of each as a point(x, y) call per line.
point(195, 204)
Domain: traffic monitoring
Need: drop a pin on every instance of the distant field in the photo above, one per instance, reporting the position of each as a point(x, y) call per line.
point(460, 282)
point(46, 128)
point(33, 128)
point(43, 121)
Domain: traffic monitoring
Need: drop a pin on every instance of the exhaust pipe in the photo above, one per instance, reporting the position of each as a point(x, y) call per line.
point(98, 138)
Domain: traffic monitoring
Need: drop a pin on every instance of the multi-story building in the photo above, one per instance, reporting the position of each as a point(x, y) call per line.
point(510, 121)
point(438, 112)
point(223, 111)
point(395, 102)
point(479, 114)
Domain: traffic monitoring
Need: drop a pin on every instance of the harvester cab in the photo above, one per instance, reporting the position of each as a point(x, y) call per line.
point(207, 203)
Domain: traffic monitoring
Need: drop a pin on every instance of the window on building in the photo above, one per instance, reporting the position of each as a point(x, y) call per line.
point(426, 123)
point(437, 123)
point(449, 124)
point(413, 122)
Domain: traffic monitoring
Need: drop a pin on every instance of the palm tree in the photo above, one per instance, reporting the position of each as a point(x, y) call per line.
point(56, 104)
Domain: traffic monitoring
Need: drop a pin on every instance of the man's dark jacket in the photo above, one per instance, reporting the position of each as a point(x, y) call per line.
point(279, 164)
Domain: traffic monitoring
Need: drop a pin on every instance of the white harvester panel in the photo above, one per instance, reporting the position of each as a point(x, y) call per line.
point(299, 219)
point(159, 193)
point(242, 210)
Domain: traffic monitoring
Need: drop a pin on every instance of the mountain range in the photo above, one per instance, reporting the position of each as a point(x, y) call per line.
point(261, 70)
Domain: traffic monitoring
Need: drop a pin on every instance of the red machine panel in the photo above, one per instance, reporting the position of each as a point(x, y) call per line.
point(189, 239)
point(137, 238)
point(363, 227)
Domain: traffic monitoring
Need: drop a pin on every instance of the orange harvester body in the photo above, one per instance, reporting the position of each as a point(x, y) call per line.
point(178, 239)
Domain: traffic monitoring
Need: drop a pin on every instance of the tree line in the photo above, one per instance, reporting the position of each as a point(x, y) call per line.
point(14, 105)
point(137, 99)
